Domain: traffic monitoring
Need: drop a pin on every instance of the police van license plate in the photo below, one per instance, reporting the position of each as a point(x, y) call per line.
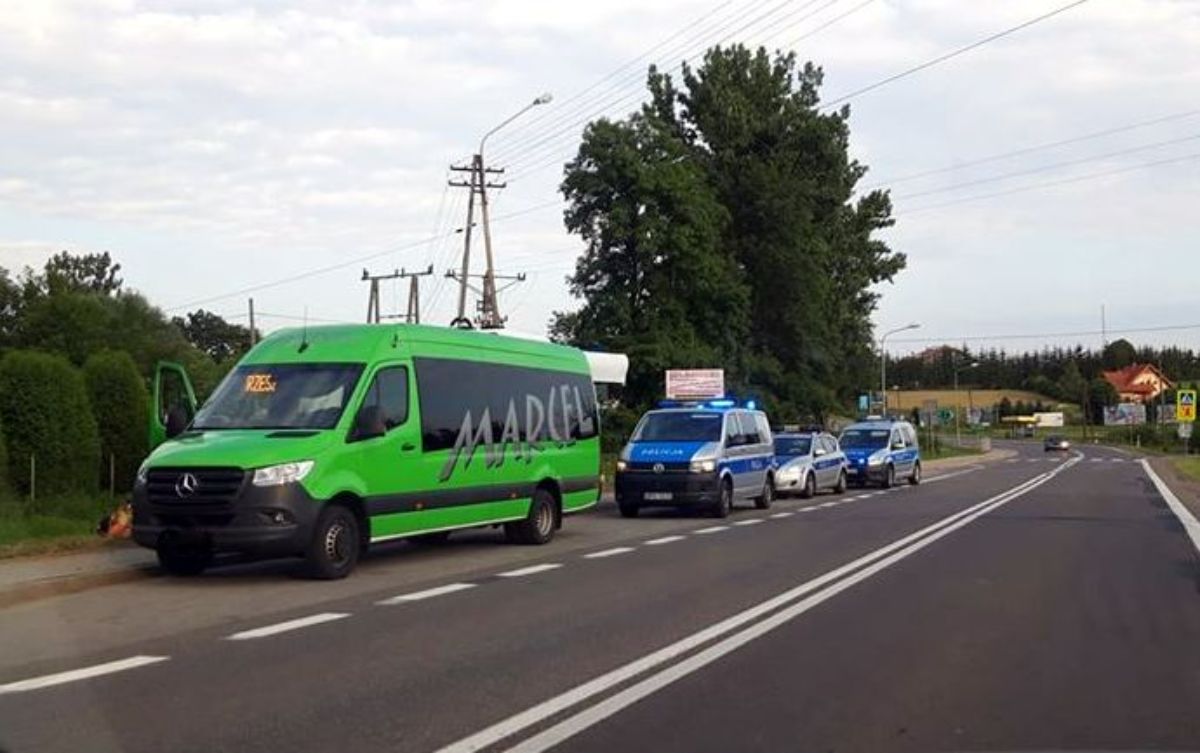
point(656, 496)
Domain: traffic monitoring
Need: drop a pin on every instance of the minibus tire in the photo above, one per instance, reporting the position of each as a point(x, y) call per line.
point(336, 543)
point(183, 562)
point(538, 526)
point(724, 504)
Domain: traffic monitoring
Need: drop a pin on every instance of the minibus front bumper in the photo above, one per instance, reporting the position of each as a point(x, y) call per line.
point(678, 488)
point(222, 512)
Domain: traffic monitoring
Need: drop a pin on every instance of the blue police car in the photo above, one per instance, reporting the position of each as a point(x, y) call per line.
point(881, 452)
point(704, 456)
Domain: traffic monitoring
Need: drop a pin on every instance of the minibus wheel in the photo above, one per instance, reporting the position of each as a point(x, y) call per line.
point(538, 526)
point(333, 551)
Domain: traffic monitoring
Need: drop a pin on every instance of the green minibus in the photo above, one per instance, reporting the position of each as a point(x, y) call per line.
point(323, 441)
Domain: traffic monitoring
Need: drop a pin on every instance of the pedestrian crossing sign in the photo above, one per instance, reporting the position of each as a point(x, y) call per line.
point(1185, 406)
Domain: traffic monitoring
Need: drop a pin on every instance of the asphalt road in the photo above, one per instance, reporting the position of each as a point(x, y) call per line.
point(1040, 603)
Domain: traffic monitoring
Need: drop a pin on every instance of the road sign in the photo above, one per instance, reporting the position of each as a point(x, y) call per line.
point(864, 403)
point(946, 416)
point(1185, 430)
point(1185, 406)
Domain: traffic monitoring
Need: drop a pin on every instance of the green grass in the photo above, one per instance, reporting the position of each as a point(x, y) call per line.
point(1188, 467)
point(944, 449)
point(54, 524)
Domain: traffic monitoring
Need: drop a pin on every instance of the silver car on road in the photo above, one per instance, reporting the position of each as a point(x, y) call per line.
point(808, 462)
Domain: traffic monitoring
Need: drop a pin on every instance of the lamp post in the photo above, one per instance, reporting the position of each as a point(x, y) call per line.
point(491, 311)
point(957, 403)
point(883, 360)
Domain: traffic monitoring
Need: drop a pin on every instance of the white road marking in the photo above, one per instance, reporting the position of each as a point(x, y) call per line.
point(1034, 460)
point(664, 540)
point(861, 496)
point(1013, 460)
point(601, 684)
point(782, 515)
point(955, 474)
point(1116, 460)
point(283, 627)
point(1186, 519)
point(1097, 460)
point(428, 593)
point(828, 504)
point(74, 675)
point(531, 570)
point(608, 552)
point(712, 529)
point(750, 522)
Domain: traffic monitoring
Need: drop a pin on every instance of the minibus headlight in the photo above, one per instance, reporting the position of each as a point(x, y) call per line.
point(141, 475)
point(284, 473)
point(622, 465)
point(703, 466)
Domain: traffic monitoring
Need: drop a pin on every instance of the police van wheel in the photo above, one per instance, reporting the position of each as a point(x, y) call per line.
point(335, 546)
point(183, 561)
point(889, 477)
point(915, 478)
point(842, 483)
point(628, 510)
point(538, 526)
point(764, 500)
point(810, 487)
point(724, 503)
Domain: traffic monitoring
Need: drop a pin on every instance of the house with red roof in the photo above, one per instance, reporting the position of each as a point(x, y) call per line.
point(1138, 382)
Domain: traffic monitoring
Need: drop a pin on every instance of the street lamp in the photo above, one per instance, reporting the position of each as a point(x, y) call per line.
point(883, 360)
point(957, 402)
point(542, 99)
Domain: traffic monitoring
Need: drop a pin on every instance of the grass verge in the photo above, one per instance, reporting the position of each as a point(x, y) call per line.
point(1188, 467)
point(51, 525)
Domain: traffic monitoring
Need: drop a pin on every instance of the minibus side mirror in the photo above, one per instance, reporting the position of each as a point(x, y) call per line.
point(368, 424)
point(177, 421)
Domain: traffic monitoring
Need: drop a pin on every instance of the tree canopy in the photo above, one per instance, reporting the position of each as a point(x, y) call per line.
point(722, 229)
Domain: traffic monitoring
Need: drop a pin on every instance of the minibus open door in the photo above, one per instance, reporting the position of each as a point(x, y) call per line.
point(172, 402)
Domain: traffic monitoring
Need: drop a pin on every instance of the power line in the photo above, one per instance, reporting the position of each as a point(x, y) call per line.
point(952, 54)
point(1047, 168)
point(1029, 150)
point(1049, 335)
point(1051, 184)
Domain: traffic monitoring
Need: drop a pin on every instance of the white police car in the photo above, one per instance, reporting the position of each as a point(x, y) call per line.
point(807, 462)
point(881, 452)
point(703, 456)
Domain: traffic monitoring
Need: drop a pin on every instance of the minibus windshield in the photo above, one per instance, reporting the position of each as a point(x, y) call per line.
point(679, 426)
point(280, 396)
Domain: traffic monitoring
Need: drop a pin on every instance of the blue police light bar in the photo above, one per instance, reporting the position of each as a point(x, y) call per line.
point(722, 403)
point(751, 405)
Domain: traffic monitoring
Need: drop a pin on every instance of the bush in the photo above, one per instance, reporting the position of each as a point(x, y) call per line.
point(45, 412)
point(3, 464)
point(120, 404)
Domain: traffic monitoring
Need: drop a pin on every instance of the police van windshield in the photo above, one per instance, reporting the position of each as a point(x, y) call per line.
point(280, 396)
point(865, 438)
point(793, 445)
point(679, 426)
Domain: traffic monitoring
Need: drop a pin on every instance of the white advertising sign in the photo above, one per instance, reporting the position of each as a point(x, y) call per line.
point(1049, 420)
point(695, 384)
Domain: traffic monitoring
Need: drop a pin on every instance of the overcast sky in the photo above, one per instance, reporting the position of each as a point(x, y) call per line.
point(217, 146)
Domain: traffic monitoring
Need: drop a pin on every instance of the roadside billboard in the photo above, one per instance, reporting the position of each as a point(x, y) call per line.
point(695, 384)
point(1050, 420)
point(1125, 414)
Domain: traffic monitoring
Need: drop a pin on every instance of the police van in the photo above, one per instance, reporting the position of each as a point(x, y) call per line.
point(704, 456)
point(882, 451)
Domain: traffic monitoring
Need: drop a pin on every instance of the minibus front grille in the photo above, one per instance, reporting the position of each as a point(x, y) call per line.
point(199, 491)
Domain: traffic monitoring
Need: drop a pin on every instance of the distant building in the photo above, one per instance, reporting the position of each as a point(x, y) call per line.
point(1138, 382)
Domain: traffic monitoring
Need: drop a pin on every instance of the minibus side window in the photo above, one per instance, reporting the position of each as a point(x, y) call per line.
point(389, 393)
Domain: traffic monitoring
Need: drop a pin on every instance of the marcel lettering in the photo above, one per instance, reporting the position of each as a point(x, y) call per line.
point(521, 431)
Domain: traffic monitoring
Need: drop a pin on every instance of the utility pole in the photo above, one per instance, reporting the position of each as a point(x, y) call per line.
point(478, 184)
point(413, 313)
point(253, 334)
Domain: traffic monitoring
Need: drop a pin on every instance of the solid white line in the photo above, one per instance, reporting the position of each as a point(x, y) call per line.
point(664, 540)
point(608, 552)
point(782, 515)
point(531, 570)
point(61, 678)
point(750, 522)
point(861, 496)
point(283, 627)
point(712, 529)
point(536, 714)
point(428, 593)
point(1013, 460)
point(828, 504)
point(589, 717)
point(1186, 519)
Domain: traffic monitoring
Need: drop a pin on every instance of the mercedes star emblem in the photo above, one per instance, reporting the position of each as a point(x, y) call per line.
point(186, 485)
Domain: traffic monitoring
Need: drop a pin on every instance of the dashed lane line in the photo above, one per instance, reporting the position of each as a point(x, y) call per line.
point(782, 515)
point(711, 529)
point(288, 626)
point(664, 540)
point(750, 522)
point(74, 675)
point(428, 593)
point(608, 553)
point(531, 570)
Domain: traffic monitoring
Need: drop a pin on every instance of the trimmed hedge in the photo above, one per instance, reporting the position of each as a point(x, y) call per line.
point(45, 412)
point(3, 463)
point(120, 404)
